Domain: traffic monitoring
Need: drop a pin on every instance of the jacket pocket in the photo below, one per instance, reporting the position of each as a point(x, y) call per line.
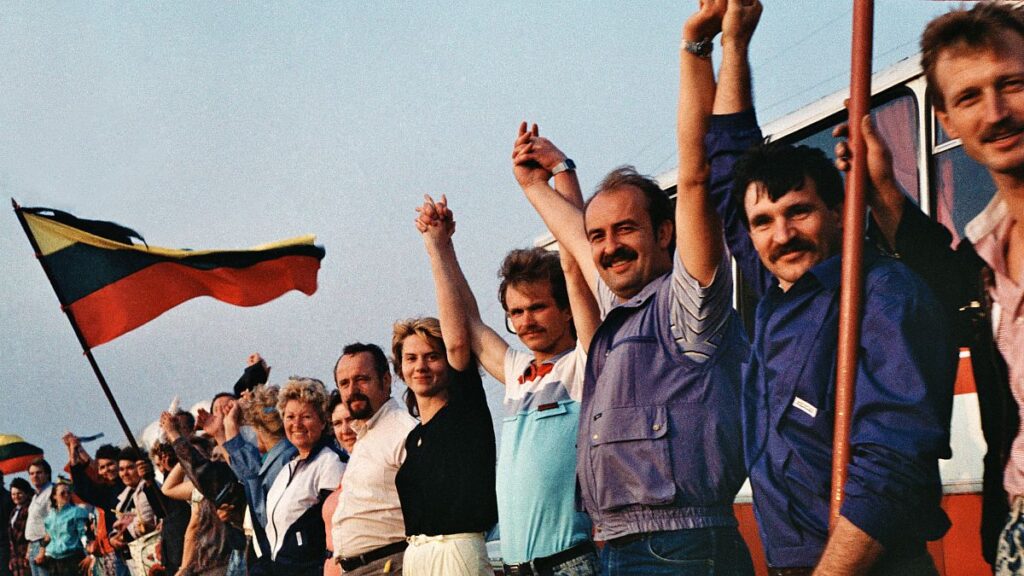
point(630, 454)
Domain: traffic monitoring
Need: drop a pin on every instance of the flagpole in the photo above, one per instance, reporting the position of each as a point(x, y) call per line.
point(850, 294)
point(74, 326)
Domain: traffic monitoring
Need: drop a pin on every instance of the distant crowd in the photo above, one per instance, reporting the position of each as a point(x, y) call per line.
point(642, 404)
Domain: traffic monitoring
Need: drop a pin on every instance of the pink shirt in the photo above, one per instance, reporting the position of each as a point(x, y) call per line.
point(990, 233)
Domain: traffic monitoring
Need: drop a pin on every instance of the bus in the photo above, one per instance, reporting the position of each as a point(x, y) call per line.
point(936, 173)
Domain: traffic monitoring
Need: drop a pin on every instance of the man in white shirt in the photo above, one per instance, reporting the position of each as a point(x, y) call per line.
point(367, 528)
point(39, 473)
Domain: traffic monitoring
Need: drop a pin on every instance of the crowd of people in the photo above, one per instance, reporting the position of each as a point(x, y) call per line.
point(642, 404)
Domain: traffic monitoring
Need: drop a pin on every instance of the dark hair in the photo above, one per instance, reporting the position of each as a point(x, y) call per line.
point(130, 453)
point(974, 28)
point(42, 463)
point(53, 493)
point(107, 452)
point(220, 395)
point(23, 485)
point(167, 450)
point(659, 206)
point(380, 360)
point(189, 418)
point(533, 265)
point(333, 399)
point(781, 168)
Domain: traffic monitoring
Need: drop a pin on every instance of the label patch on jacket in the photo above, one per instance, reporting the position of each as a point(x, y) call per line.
point(805, 407)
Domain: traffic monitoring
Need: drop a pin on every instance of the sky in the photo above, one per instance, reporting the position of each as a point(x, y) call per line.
point(226, 125)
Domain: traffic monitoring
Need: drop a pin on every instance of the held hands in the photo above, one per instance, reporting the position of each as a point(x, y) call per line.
point(741, 18)
point(169, 424)
point(533, 157)
point(706, 22)
point(435, 221)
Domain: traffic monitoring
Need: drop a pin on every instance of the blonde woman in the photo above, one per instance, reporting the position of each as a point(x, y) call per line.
point(295, 528)
point(446, 485)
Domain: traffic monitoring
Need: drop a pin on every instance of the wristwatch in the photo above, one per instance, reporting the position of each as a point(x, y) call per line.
point(701, 48)
point(562, 166)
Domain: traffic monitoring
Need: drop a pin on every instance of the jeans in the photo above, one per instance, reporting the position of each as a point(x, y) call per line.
point(33, 552)
point(689, 552)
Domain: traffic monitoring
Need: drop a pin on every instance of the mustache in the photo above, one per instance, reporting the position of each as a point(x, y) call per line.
point(356, 396)
point(621, 253)
point(797, 244)
point(1003, 128)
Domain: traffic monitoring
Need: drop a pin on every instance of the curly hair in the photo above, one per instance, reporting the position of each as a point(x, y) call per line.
point(973, 29)
point(260, 410)
point(302, 389)
point(429, 329)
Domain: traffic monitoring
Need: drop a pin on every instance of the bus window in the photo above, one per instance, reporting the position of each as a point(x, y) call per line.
point(896, 121)
point(962, 189)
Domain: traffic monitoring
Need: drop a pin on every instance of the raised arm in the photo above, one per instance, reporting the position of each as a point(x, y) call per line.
point(456, 305)
point(533, 159)
point(580, 280)
point(698, 227)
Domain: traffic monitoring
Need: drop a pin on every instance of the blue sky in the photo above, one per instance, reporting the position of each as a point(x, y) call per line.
point(226, 125)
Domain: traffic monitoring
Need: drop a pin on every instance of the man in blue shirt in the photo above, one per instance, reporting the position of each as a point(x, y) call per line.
point(781, 207)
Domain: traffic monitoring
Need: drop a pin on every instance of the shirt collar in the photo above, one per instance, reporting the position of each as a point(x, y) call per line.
point(986, 222)
point(829, 272)
point(363, 426)
point(645, 293)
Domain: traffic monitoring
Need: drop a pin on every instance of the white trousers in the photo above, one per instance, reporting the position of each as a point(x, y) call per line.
point(448, 555)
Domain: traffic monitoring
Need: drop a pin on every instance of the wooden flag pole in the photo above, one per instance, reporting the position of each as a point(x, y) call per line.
point(850, 293)
point(78, 333)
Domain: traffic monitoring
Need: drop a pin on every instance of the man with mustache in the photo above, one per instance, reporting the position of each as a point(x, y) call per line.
point(367, 529)
point(659, 446)
point(974, 64)
point(550, 308)
point(781, 209)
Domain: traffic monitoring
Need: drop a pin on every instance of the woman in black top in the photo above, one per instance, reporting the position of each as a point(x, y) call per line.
point(446, 485)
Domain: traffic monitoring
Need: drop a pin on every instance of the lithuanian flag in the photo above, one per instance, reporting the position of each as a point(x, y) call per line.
point(16, 454)
point(109, 285)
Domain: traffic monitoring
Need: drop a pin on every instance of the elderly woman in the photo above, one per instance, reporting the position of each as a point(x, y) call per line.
point(65, 530)
point(446, 485)
point(295, 528)
point(21, 495)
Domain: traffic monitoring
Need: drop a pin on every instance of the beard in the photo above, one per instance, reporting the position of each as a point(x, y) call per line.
point(365, 412)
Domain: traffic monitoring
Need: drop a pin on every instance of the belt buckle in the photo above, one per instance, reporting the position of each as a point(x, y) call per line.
point(521, 569)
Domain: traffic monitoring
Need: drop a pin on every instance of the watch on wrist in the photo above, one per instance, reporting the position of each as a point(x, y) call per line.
point(563, 166)
point(700, 48)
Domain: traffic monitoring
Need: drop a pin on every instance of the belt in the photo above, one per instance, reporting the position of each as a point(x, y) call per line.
point(627, 539)
point(353, 562)
point(790, 571)
point(540, 566)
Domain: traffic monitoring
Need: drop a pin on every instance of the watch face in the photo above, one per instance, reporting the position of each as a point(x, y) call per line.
point(569, 164)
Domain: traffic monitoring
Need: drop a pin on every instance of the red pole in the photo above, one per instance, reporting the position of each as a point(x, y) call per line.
point(850, 294)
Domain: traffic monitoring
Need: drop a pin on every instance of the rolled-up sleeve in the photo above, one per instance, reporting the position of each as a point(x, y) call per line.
point(902, 408)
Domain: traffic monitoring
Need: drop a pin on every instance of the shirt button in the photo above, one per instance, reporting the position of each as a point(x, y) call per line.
point(656, 427)
point(595, 436)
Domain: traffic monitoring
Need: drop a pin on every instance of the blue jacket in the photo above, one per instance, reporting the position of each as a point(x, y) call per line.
point(903, 395)
point(659, 444)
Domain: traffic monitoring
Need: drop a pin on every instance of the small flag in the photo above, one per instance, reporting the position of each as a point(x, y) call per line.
point(109, 285)
point(16, 454)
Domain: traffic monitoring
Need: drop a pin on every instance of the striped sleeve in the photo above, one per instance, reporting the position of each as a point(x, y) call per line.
point(700, 314)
